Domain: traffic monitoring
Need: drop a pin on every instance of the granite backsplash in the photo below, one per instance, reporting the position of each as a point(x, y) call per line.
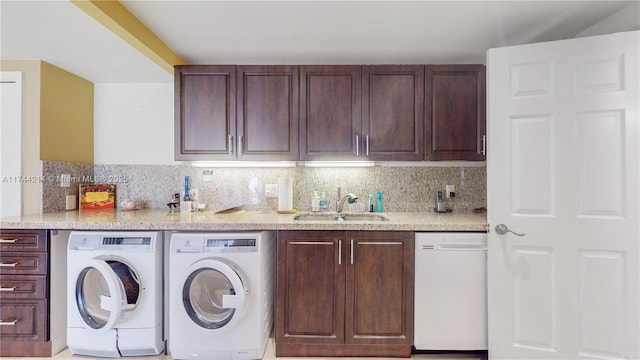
point(404, 189)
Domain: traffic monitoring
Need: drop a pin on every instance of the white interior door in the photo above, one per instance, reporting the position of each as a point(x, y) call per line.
point(10, 143)
point(563, 159)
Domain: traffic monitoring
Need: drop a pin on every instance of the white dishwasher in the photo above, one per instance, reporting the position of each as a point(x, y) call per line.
point(450, 291)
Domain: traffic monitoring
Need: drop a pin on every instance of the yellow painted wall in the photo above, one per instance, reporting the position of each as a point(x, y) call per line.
point(57, 109)
point(30, 69)
point(66, 116)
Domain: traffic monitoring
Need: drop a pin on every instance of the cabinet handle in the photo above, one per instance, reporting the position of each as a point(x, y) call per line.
point(13, 288)
point(351, 251)
point(357, 145)
point(8, 265)
point(484, 145)
point(310, 243)
point(367, 144)
point(230, 144)
point(8, 323)
point(380, 243)
point(8, 241)
point(339, 252)
point(240, 138)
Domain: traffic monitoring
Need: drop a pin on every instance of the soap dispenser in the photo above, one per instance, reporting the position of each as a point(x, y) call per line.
point(315, 202)
point(379, 207)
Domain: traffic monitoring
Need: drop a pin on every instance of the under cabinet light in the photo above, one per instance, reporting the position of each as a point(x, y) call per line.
point(347, 164)
point(244, 164)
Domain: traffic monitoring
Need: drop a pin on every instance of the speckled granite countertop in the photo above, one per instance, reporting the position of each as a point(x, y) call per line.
point(152, 219)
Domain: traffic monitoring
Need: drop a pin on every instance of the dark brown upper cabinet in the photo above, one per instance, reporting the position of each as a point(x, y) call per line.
point(362, 112)
point(205, 112)
point(267, 112)
point(455, 97)
point(206, 125)
point(330, 112)
point(393, 112)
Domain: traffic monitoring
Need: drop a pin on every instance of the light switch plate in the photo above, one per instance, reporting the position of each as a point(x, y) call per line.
point(271, 190)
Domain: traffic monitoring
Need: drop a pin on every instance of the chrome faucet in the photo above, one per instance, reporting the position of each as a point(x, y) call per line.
point(340, 203)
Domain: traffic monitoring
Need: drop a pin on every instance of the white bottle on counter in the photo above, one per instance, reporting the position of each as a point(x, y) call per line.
point(315, 202)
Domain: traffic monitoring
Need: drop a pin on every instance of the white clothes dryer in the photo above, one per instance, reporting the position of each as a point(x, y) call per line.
point(221, 294)
point(114, 293)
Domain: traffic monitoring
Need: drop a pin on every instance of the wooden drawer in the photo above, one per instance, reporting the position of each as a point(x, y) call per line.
point(23, 320)
point(23, 287)
point(23, 240)
point(23, 263)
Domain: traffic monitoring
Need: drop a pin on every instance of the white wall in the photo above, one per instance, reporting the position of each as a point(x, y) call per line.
point(133, 124)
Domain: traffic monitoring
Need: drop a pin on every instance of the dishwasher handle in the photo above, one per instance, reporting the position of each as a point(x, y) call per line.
point(450, 247)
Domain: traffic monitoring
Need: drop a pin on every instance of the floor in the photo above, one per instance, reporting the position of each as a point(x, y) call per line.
point(270, 354)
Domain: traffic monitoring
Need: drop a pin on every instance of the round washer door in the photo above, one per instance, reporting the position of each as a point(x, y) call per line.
point(214, 295)
point(104, 293)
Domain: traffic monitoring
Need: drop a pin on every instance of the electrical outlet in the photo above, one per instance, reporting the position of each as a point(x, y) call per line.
point(70, 202)
point(207, 176)
point(450, 191)
point(271, 190)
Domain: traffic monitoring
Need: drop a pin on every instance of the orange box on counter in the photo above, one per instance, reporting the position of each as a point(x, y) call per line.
point(97, 196)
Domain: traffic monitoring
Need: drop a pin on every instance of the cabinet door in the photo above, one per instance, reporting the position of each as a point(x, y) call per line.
point(310, 287)
point(267, 112)
point(379, 299)
point(23, 320)
point(455, 112)
point(393, 112)
point(205, 112)
point(330, 112)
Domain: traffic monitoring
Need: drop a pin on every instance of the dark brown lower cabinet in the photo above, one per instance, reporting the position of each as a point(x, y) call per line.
point(27, 315)
point(344, 293)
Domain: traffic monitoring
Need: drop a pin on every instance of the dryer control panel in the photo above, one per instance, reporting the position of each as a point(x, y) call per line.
point(215, 242)
point(112, 241)
point(231, 244)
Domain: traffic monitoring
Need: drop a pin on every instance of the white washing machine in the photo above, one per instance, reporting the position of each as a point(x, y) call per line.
point(114, 293)
point(221, 294)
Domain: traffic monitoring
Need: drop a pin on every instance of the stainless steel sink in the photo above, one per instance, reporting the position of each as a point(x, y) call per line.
point(340, 217)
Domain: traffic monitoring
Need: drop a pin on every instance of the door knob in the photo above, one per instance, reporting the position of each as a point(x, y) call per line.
point(502, 229)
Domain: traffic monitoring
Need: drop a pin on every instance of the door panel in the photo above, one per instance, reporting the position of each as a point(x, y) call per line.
point(10, 143)
point(393, 112)
point(205, 118)
point(311, 290)
point(563, 170)
point(532, 165)
point(379, 260)
point(601, 149)
point(330, 112)
point(267, 112)
point(455, 99)
point(534, 296)
point(602, 286)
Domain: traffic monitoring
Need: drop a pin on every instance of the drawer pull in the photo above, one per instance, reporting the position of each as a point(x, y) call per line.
point(8, 323)
point(13, 288)
point(8, 241)
point(8, 265)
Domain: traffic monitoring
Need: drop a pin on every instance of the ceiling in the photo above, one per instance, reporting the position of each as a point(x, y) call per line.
point(288, 32)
